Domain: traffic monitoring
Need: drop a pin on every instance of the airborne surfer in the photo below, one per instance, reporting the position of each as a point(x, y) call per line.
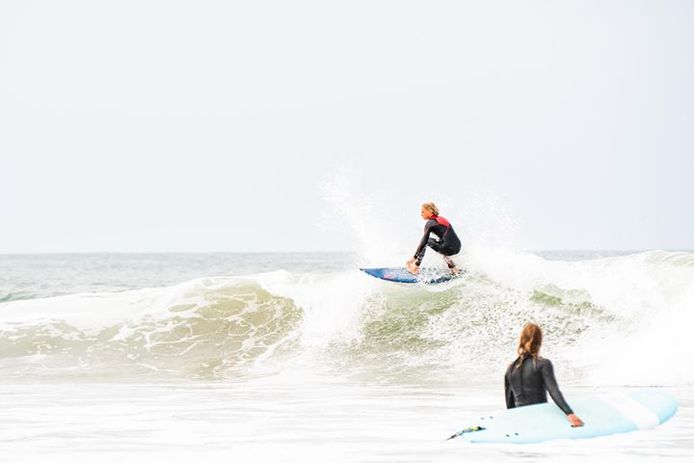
point(447, 244)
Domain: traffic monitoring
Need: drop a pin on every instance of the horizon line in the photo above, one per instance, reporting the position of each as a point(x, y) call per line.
point(25, 253)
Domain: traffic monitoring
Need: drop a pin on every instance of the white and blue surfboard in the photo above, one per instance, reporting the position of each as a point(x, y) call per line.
point(605, 414)
point(402, 275)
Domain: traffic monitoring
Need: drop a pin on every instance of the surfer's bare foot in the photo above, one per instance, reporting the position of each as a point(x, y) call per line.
point(412, 267)
point(451, 265)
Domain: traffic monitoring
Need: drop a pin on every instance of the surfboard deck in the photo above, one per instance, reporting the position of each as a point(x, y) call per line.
point(402, 275)
point(605, 414)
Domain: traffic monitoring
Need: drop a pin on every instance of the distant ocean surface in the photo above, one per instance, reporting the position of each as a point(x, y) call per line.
point(302, 357)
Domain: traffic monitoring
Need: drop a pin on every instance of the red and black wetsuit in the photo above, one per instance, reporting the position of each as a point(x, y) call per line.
point(447, 244)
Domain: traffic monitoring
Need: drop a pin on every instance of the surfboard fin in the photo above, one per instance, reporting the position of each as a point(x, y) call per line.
point(466, 430)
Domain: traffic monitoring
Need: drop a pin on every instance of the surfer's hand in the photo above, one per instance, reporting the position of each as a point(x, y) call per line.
point(574, 420)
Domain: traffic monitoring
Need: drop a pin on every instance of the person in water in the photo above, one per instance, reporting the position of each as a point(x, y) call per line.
point(530, 376)
point(447, 243)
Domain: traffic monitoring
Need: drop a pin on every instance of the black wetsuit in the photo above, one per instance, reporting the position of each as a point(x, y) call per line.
point(447, 244)
point(529, 383)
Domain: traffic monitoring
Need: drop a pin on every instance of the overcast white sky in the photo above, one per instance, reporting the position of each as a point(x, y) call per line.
point(222, 126)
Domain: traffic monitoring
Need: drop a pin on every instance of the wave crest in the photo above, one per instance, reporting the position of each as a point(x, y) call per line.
point(210, 330)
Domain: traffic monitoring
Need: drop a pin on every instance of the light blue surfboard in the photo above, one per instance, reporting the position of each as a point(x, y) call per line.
point(401, 275)
point(605, 414)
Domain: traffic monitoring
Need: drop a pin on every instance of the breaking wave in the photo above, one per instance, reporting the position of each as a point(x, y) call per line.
point(604, 319)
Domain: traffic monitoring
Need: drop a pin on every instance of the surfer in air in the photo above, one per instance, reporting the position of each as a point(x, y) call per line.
point(530, 376)
point(447, 243)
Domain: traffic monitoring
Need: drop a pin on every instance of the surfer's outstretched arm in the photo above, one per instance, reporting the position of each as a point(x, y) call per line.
point(547, 371)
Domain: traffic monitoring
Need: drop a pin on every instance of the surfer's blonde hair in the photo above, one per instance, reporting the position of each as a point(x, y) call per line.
point(431, 207)
point(529, 343)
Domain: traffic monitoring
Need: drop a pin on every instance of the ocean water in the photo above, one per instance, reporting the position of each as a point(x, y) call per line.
point(301, 357)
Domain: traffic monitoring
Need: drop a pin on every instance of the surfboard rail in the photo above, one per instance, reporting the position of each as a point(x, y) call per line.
point(402, 275)
point(603, 415)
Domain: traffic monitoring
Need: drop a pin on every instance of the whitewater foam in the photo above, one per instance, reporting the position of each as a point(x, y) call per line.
point(604, 320)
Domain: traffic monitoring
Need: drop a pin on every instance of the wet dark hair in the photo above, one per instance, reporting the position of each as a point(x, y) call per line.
point(529, 343)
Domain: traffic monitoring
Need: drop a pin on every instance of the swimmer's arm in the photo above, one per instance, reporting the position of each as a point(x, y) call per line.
point(553, 389)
